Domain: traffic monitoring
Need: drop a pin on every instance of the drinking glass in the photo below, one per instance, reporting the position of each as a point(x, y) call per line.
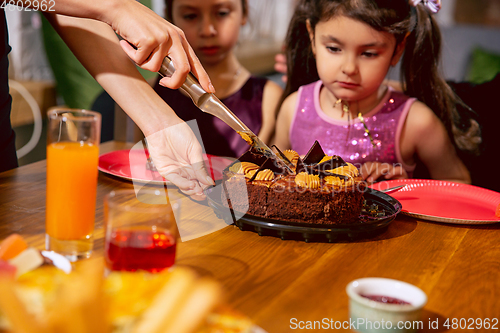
point(72, 157)
point(141, 231)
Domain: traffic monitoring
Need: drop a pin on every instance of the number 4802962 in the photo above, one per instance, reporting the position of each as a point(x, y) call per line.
point(471, 323)
point(29, 5)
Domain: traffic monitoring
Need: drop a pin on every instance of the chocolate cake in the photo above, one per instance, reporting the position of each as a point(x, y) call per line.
point(320, 190)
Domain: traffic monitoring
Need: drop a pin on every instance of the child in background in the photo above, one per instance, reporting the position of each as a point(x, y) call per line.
point(338, 54)
point(212, 29)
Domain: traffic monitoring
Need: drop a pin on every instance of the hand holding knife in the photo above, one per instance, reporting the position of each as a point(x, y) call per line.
point(209, 103)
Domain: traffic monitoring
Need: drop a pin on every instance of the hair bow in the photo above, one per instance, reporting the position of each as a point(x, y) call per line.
point(433, 5)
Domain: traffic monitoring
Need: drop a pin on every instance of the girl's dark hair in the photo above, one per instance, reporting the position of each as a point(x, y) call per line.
point(420, 75)
point(168, 9)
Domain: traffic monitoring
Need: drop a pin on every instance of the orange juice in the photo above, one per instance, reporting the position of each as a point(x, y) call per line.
point(71, 190)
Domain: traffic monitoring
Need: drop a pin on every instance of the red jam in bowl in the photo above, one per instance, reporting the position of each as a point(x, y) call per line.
point(385, 299)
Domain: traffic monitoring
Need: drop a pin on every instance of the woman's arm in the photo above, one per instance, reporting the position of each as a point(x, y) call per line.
point(152, 37)
point(175, 150)
point(425, 137)
point(97, 48)
point(270, 99)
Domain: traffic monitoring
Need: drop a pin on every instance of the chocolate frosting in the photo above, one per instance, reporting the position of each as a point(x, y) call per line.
point(252, 156)
point(314, 155)
point(283, 156)
point(309, 164)
point(334, 162)
point(271, 165)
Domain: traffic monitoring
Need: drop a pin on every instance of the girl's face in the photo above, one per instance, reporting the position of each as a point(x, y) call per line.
point(352, 58)
point(211, 26)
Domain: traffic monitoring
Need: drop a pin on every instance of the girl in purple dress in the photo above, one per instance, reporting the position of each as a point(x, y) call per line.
point(212, 29)
point(339, 52)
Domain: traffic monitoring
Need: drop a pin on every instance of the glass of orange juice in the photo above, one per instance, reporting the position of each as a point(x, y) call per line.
point(72, 156)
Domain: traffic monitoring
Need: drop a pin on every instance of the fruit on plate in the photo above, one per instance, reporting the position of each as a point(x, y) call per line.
point(44, 298)
point(12, 246)
point(177, 300)
point(15, 251)
point(27, 260)
point(132, 293)
point(7, 270)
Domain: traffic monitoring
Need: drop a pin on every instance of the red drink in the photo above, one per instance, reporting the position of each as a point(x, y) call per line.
point(140, 249)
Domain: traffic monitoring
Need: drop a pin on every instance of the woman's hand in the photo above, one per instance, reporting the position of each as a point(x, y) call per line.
point(153, 38)
point(174, 148)
point(372, 171)
point(178, 157)
point(148, 38)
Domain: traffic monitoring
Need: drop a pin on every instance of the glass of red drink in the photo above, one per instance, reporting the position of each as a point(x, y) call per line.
point(141, 231)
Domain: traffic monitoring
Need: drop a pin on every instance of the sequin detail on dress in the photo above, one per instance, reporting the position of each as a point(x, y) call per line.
point(384, 121)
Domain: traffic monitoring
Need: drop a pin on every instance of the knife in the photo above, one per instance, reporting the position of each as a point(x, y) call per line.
point(209, 103)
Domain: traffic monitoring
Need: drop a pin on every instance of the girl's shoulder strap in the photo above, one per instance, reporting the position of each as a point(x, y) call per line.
point(311, 88)
point(306, 96)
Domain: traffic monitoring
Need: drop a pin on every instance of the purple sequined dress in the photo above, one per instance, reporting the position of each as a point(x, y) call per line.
point(348, 139)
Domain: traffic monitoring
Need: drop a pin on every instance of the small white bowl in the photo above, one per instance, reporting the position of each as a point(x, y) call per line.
point(371, 316)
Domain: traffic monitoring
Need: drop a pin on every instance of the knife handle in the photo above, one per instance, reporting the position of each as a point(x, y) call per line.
point(191, 87)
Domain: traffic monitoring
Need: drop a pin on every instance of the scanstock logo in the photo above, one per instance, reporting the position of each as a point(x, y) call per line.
point(194, 219)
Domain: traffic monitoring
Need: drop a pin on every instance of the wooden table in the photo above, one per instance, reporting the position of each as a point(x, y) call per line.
point(273, 281)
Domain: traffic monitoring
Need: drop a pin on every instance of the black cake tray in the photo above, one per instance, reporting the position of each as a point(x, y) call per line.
point(367, 227)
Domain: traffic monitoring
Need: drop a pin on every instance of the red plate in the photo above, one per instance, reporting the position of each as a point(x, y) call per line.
point(131, 165)
point(444, 201)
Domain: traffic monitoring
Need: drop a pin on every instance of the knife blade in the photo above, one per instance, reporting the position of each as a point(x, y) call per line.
point(209, 103)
